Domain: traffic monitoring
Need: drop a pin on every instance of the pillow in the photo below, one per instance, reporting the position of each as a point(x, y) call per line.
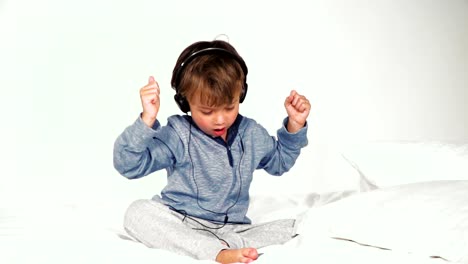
point(320, 168)
point(394, 163)
point(427, 218)
point(270, 207)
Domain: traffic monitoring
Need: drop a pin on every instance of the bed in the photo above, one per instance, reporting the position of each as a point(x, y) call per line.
point(367, 202)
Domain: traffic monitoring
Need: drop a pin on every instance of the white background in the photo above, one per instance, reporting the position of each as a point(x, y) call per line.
point(70, 72)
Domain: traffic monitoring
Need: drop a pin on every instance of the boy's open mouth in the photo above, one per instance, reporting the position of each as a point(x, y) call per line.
point(219, 131)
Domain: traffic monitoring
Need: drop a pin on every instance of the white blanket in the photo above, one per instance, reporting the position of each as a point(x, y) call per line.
point(417, 222)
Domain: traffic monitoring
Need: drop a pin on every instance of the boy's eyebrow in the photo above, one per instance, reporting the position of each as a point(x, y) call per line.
point(205, 107)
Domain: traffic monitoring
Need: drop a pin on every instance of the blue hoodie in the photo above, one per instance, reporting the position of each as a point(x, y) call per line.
point(207, 177)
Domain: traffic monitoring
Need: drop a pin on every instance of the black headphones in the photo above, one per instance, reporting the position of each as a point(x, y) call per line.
point(181, 100)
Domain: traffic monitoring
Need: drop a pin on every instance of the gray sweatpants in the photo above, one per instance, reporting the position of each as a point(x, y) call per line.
point(157, 226)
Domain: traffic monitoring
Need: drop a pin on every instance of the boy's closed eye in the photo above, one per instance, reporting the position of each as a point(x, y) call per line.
point(208, 111)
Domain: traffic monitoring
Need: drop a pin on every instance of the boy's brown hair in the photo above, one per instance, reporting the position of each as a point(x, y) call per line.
point(215, 78)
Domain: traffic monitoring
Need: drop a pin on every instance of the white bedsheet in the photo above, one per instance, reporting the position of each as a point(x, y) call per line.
point(93, 234)
point(90, 230)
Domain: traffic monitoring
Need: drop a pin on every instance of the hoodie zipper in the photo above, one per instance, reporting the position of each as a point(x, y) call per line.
point(229, 154)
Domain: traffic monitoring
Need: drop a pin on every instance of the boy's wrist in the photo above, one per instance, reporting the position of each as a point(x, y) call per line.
point(149, 121)
point(293, 126)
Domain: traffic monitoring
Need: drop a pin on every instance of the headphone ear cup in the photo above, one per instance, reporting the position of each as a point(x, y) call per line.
point(243, 93)
point(182, 103)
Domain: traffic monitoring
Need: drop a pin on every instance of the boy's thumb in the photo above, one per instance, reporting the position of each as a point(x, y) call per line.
point(151, 80)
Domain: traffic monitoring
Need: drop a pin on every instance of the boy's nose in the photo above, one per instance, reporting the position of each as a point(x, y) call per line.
point(219, 119)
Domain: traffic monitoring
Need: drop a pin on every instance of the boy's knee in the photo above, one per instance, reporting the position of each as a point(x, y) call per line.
point(134, 210)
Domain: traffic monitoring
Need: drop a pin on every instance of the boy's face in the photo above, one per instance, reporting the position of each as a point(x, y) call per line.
point(214, 120)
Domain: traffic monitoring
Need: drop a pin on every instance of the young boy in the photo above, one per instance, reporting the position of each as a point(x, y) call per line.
point(209, 157)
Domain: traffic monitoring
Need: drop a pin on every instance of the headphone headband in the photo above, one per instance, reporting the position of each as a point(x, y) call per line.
point(180, 100)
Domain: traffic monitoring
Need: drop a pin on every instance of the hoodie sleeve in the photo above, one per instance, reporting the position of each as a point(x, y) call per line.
point(284, 150)
point(141, 150)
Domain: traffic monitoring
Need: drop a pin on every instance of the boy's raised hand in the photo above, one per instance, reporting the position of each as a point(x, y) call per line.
point(149, 95)
point(298, 109)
